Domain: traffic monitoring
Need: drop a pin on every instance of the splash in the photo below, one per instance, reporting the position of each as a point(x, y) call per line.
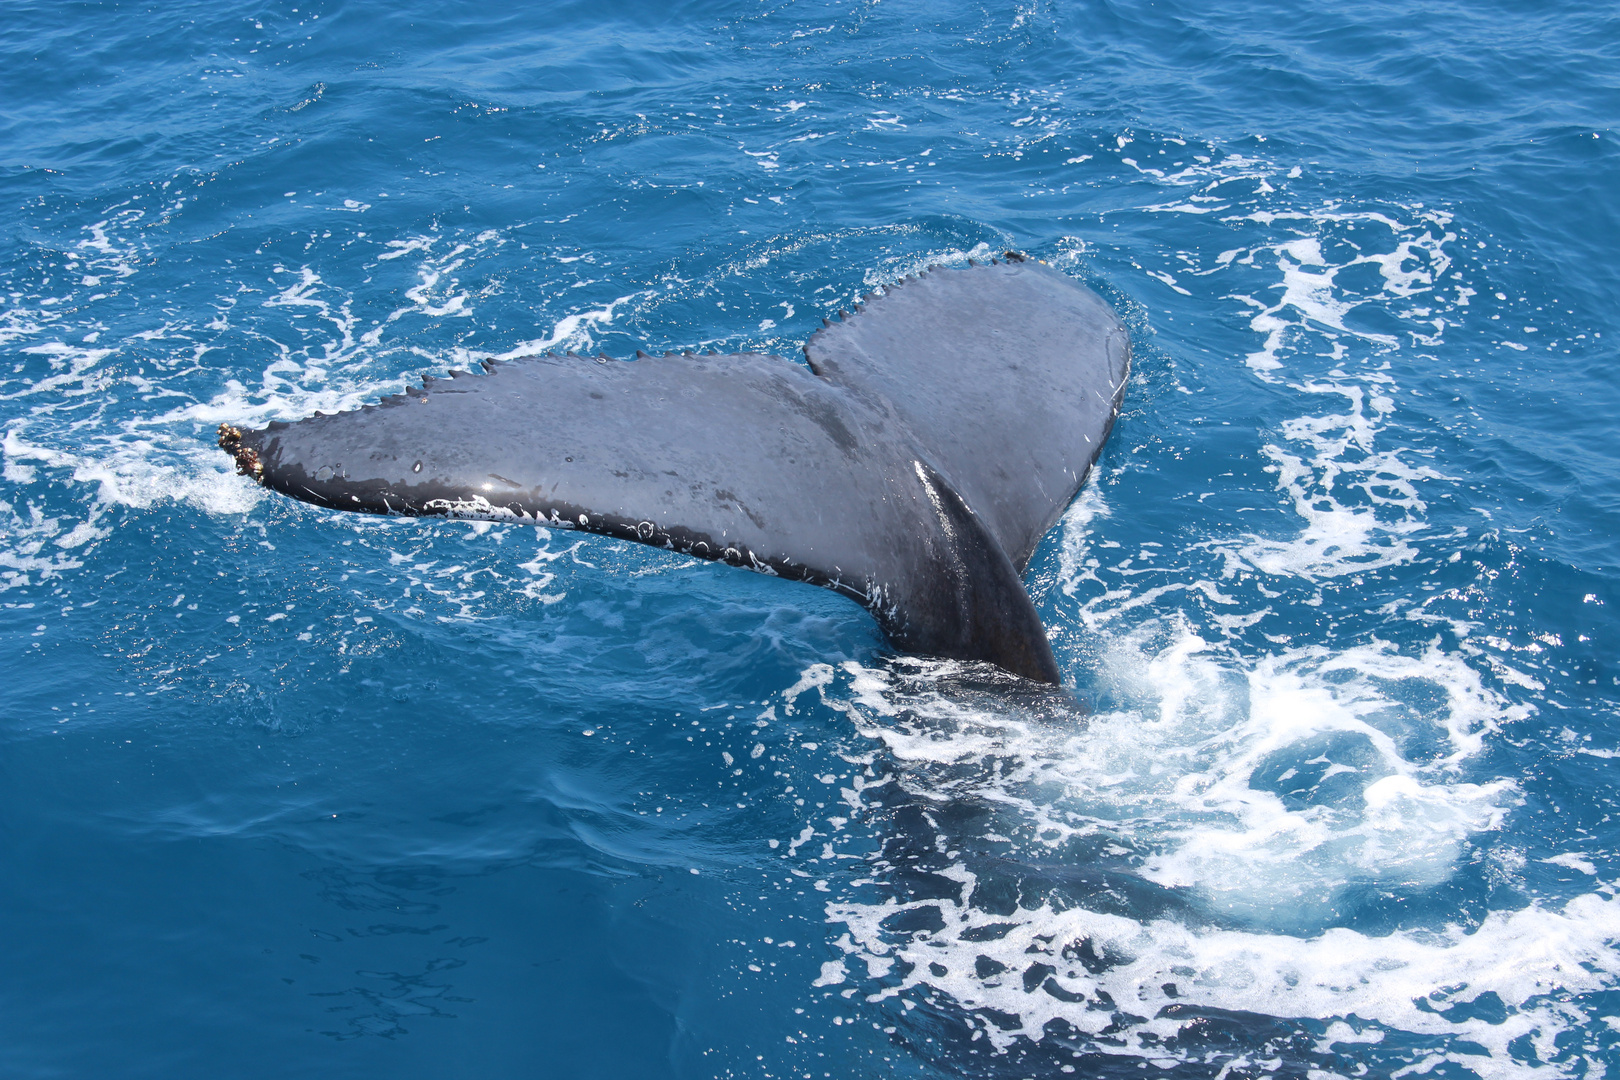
point(1208, 844)
point(1223, 840)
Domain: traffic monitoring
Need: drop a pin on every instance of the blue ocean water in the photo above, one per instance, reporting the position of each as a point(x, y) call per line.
point(290, 793)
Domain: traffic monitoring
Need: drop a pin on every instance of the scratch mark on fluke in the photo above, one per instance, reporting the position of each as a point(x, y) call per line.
point(937, 432)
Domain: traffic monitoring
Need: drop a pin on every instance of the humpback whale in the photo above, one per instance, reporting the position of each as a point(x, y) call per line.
point(912, 462)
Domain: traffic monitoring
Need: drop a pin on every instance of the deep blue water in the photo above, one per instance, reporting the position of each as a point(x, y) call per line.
point(287, 793)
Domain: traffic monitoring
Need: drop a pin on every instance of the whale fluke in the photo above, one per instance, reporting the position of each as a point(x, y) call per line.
point(912, 463)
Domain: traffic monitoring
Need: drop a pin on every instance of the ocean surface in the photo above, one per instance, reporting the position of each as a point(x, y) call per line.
point(289, 793)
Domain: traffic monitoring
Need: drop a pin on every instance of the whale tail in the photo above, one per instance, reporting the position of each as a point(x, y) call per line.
point(912, 463)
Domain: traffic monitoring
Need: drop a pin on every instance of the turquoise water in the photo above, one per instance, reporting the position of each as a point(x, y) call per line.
point(289, 793)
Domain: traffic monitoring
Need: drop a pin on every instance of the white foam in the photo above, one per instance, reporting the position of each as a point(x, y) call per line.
point(163, 450)
point(34, 548)
point(1311, 300)
point(571, 331)
point(1341, 457)
point(1185, 775)
point(17, 323)
point(1360, 502)
point(72, 371)
point(1533, 960)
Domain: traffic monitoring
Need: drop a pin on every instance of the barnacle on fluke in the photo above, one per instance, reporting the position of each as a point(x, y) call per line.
point(912, 462)
point(247, 459)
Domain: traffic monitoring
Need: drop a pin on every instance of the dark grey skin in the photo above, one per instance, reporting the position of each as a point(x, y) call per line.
point(912, 464)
